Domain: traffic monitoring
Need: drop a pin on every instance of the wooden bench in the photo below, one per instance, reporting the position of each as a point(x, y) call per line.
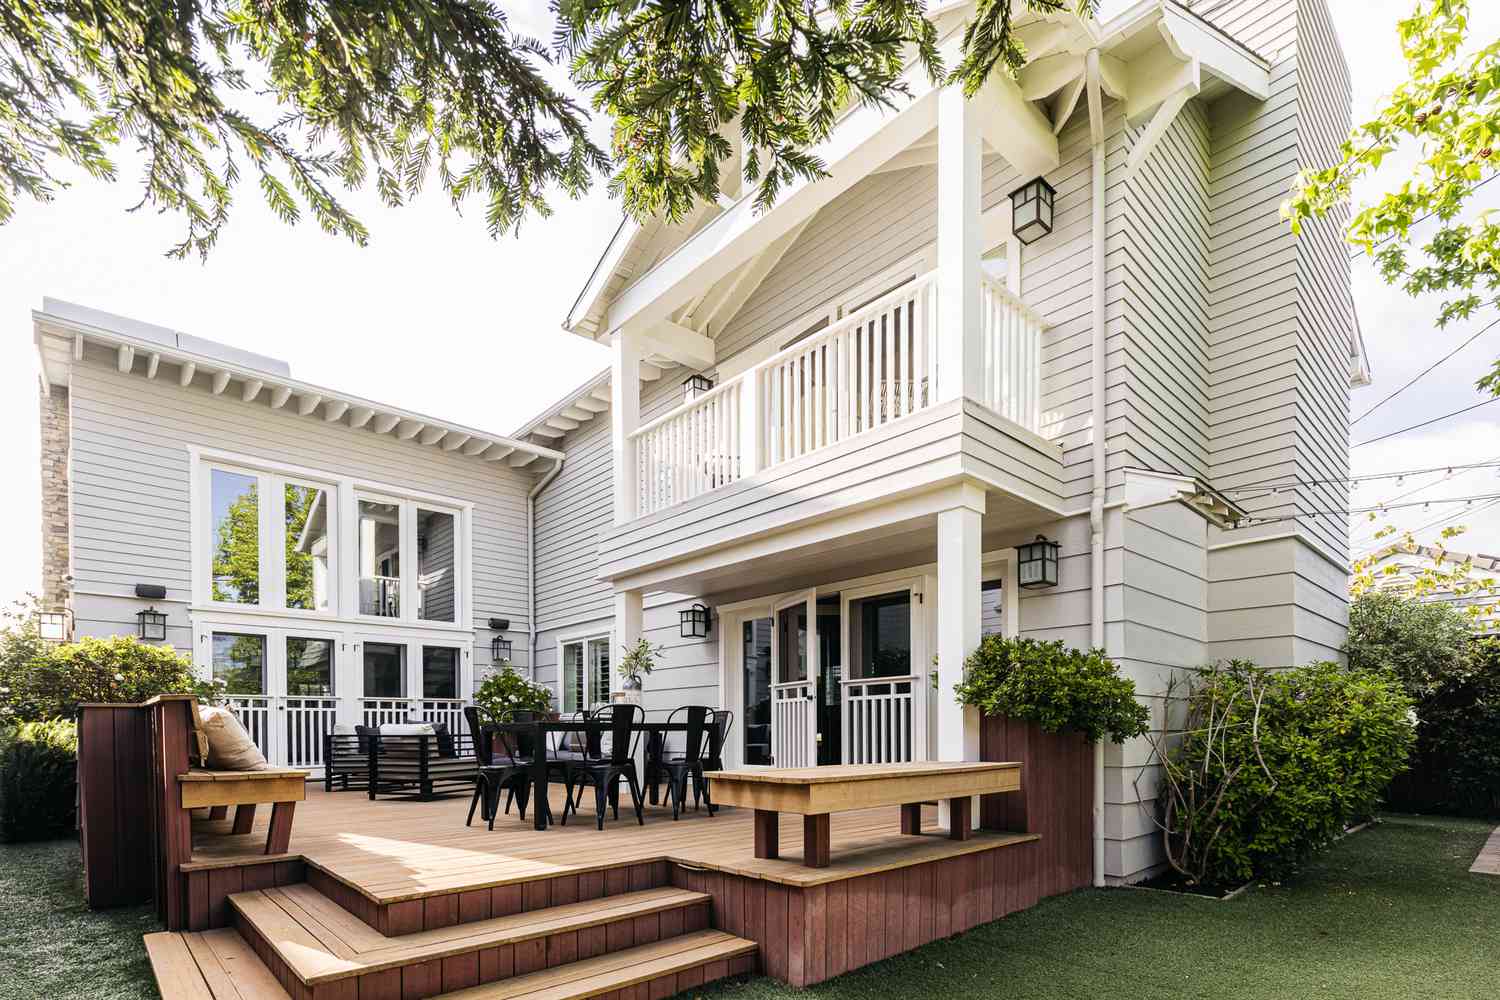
point(218, 790)
point(815, 792)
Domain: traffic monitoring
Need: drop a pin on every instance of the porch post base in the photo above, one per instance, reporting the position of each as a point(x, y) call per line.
point(767, 832)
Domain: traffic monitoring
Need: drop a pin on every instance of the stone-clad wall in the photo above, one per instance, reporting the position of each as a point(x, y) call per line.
point(55, 436)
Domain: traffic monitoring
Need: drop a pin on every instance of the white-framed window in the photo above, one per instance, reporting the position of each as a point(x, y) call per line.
point(265, 539)
point(410, 557)
point(584, 672)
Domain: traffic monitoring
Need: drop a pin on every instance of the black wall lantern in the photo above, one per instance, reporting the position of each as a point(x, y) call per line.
point(1036, 564)
point(694, 622)
point(151, 624)
point(1031, 210)
point(696, 385)
point(499, 646)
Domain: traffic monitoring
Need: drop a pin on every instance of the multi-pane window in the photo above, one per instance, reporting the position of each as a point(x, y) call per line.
point(437, 552)
point(239, 662)
point(585, 673)
point(439, 672)
point(308, 547)
point(379, 558)
point(309, 667)
point(235, 510)
point(385, 669)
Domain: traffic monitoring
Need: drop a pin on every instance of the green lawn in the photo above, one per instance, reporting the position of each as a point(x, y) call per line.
point(1389, 913)
point(52, 946)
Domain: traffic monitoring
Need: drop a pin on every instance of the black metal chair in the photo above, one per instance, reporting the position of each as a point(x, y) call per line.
point(688, 764)
point(621, 723)
point(494, 776)
point(720, 725)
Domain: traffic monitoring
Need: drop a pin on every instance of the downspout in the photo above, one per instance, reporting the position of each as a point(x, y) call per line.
point(1096, 387)
point(531, 563)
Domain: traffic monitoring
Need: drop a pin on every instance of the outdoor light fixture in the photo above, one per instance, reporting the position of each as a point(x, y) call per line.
point(697, 385)
point(694, 622)
point(151, 624)
point(1031, 210)
point(1036, 564)
point(499, 648)
point(52, 625)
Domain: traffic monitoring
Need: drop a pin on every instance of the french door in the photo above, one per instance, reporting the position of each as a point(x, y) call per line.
point(885, 693)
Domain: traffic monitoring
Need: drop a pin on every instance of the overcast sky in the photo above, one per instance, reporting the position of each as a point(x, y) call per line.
point(435, 317)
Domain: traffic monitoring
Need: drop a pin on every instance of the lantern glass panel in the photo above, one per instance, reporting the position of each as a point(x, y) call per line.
point(500, 649)
point(53, 626)
point(153, 625)
point(694, 622)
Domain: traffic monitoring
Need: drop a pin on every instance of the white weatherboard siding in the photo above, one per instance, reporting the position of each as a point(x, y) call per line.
point(131, 518)
point(1281, 323)
point(572, 514)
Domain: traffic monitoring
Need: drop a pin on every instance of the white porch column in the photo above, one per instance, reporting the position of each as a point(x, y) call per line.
point(959, 611)
point(958, 245)
point(629, 627)
point(625, 417)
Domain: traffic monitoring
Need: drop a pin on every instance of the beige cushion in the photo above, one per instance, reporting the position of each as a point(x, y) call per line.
point(407, 729)
point(230, 747)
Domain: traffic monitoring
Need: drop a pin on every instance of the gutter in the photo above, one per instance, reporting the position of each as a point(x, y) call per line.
point(1099, 455)
point(531, 564)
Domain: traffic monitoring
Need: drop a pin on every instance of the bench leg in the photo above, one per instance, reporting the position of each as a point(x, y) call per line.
point(911, 819)
point(959, 819)
point(218, 812)
point(767, 829)
point(280, 835)
point(815, 840)
point(244, 818)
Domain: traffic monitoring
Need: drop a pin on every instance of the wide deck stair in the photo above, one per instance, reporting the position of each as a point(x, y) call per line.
point(295, 941)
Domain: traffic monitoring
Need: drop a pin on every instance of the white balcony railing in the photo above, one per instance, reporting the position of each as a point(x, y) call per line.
point(877, 364)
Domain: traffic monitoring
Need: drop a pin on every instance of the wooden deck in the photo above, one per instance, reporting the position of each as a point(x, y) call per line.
point(393, 850)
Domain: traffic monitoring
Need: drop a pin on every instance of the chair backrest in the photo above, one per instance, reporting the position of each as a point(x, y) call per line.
point(720, 724)
point(622, 722)
point(517, 745)
point(480, 731)
point(696, 718)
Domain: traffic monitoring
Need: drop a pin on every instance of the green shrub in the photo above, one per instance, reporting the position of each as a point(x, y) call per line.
point(38, 780)
point(120, 669)
point(1267, 766)
point(1455, 765)
point(506, 692)
point(1425, 643)
point(1054, 686)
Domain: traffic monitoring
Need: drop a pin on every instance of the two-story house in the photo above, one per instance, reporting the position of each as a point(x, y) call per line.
point(1025, 362)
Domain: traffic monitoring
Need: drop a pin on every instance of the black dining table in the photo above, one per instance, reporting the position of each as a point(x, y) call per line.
point(540, 729)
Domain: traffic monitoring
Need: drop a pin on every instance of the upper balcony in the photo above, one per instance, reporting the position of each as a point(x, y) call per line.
point(859, 415)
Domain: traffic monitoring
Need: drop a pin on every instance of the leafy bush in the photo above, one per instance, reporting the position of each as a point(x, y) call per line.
point(38, 780)
point(1423, 642)
point(1455, 765)
point(52, 682)
point(1054, 686)
point(1266, 766)
point(506, 692)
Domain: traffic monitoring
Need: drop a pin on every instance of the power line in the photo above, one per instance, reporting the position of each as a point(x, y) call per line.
point(1356, 255)
point(1452, 474)
point(1367, 549)
point(1485, 329)
point(1413, 427)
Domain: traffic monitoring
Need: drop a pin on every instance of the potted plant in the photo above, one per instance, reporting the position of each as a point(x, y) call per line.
point(638, 662)
point(506, 692)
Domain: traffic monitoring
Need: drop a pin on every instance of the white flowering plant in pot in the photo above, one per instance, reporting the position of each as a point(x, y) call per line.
point(506, 692)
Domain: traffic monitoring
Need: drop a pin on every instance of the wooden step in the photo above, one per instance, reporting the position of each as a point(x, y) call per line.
point(211, 965)
point(303, 934)
point(666, 967)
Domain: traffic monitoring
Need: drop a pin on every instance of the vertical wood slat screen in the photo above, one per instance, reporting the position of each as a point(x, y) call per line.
point(794, 724)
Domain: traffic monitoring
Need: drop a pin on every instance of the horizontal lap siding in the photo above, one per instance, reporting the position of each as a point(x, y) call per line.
point(131, 509)
point(1282, 320)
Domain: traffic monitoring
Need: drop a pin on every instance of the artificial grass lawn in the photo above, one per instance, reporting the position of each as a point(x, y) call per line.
point(52, 945)
point(1391, 912)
